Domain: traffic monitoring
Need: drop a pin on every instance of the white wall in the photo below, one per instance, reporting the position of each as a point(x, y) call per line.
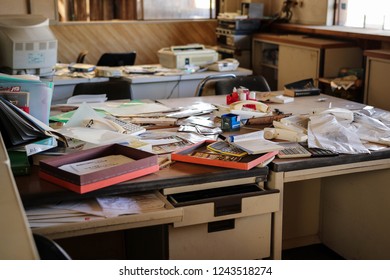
point(8, 7)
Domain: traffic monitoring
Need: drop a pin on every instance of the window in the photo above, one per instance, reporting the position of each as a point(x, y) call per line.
point(364, 14)
point(93, 10)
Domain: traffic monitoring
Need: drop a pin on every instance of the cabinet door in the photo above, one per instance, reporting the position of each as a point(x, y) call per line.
point(265, 61)
point(377, 84)
point(297, 63)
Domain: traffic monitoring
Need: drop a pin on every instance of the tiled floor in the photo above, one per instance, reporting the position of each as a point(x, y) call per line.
point(311, 252)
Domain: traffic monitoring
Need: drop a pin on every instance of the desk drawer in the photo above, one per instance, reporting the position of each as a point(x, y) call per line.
point(245, 238)
point(224, 203)
point(166, 215)
point(224, 223)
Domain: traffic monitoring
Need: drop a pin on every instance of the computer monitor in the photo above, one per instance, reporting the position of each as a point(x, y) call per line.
point(27, 45)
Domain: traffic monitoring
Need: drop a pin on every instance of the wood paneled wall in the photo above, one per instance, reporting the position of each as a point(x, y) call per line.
point(146, 38)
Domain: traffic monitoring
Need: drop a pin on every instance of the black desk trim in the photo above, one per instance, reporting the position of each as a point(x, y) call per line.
point(285, 165)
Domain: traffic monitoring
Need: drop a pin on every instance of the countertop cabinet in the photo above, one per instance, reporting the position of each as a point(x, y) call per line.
point(284, 59)
point(377, 86)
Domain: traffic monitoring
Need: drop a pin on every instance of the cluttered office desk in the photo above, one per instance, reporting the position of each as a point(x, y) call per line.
point(330, 191)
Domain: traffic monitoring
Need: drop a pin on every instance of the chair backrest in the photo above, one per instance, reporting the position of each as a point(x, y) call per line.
point(201, 86)
point(120, 89)
point(253, 83)
point(117, 59)
point(81, 56)
point(48, 249)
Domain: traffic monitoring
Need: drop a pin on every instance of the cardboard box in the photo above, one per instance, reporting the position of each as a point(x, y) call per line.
point(144, 163)
point(191, 154)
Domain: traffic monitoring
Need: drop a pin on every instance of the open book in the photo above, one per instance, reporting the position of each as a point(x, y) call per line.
point(254, 143)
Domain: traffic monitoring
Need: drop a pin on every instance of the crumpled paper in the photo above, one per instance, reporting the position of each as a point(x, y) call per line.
point(343, 83)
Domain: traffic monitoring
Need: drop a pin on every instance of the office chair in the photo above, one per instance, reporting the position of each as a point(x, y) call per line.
point(81, 56)
point(202, 84)
point(253, 83)
point(49, 249)
point(117, 59)
point(115, 89)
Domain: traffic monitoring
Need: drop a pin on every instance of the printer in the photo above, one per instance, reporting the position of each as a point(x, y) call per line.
point(188, 55)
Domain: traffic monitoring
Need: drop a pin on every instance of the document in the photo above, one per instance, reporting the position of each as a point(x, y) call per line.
point(89, 98)
point(93, 209)
point(97, 164)
point(254, 143)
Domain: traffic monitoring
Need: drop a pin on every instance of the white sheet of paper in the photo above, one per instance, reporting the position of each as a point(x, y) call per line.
point(97, 164)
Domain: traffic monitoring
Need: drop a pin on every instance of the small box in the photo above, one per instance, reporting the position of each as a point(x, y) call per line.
point(301, 88)
point(216, 221)
point(144, 163)
point(230, 122)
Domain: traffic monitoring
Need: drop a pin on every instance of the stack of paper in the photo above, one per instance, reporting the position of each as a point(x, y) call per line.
point(92, 209)
point(254, 143)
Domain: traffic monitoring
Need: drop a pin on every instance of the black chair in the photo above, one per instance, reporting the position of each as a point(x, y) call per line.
point(117, 59)
point(253, 83)
point(81, 56)
point(201, 86)
point(49, 249)
point(114, 89)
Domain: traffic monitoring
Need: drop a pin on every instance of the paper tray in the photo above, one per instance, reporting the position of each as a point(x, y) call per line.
point(145, 163)
point(247, 162)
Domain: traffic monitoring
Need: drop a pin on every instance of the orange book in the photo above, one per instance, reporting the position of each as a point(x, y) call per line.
point(98, 184)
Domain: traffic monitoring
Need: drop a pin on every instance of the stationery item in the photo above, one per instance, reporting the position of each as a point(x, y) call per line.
point(318, 152)
point(40, 94)
point(20, 164)
point(88, 98)
point(199, 154)
point(19, 129)
point(301, 88)
point(230, 122)
point(19, 99)
point(254, 143)
point(225, 148)
point(293, 150)
point(301, 150)
point(137, 164)
point(81, 67)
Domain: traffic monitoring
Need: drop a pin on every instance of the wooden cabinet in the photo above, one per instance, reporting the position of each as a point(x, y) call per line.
point(377, 86)
point(284, 59)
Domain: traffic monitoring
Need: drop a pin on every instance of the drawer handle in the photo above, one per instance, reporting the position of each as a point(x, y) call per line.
point(227, 206)
point(220, 225)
